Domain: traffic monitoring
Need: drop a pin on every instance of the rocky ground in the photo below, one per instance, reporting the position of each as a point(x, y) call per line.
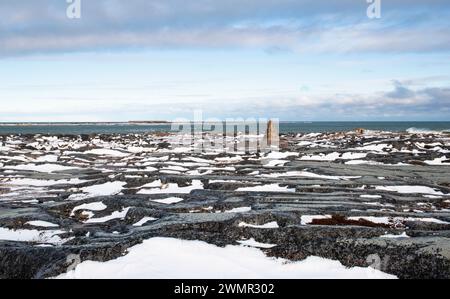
point(373, 198)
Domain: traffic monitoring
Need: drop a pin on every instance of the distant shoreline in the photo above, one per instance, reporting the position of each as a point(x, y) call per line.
point(159, 123)
point(134, 123)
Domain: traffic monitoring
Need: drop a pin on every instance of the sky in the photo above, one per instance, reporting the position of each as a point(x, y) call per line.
point(306, 60)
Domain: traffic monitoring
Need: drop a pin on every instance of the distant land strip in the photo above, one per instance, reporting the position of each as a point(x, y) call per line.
point(83, 123)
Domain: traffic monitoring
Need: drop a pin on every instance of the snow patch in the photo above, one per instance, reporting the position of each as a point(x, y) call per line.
point(94, 206)
point(144, 221)
point(39, 223)
point(166, 258)
point(106, 189)
point(239, 210)
point(409, 189)
point(266, 188)
point(171, 188)
point(44, 183)
point(169, 201)
point(438, 161)
point(276, 163)
point(107, 152)
point(273, 224)
point(116, 215)
point(33, 236)
point(252, 243)
point(308, 175)
point(402, 236)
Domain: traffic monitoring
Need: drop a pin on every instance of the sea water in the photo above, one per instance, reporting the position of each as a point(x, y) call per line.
point(285, 127)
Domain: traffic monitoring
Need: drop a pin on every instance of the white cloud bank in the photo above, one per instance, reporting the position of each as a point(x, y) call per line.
point(295, 25)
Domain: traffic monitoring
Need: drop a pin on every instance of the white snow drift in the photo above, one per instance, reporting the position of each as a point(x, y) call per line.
point(166, 258)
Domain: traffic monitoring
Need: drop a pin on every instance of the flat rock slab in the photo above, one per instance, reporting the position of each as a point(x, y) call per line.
point(375, 199)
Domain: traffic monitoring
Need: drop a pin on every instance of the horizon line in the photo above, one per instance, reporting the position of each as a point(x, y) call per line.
point(172, 122)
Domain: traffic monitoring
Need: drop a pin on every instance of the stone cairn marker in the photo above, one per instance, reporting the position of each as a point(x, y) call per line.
point(269, 133)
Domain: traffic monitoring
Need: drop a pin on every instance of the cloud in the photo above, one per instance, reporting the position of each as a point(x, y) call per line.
point(41, 26)
point(400, 92)
point(30, 27)
point(401, 103)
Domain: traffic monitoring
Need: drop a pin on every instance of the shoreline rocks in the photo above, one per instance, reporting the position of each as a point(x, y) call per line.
point(348, 184)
